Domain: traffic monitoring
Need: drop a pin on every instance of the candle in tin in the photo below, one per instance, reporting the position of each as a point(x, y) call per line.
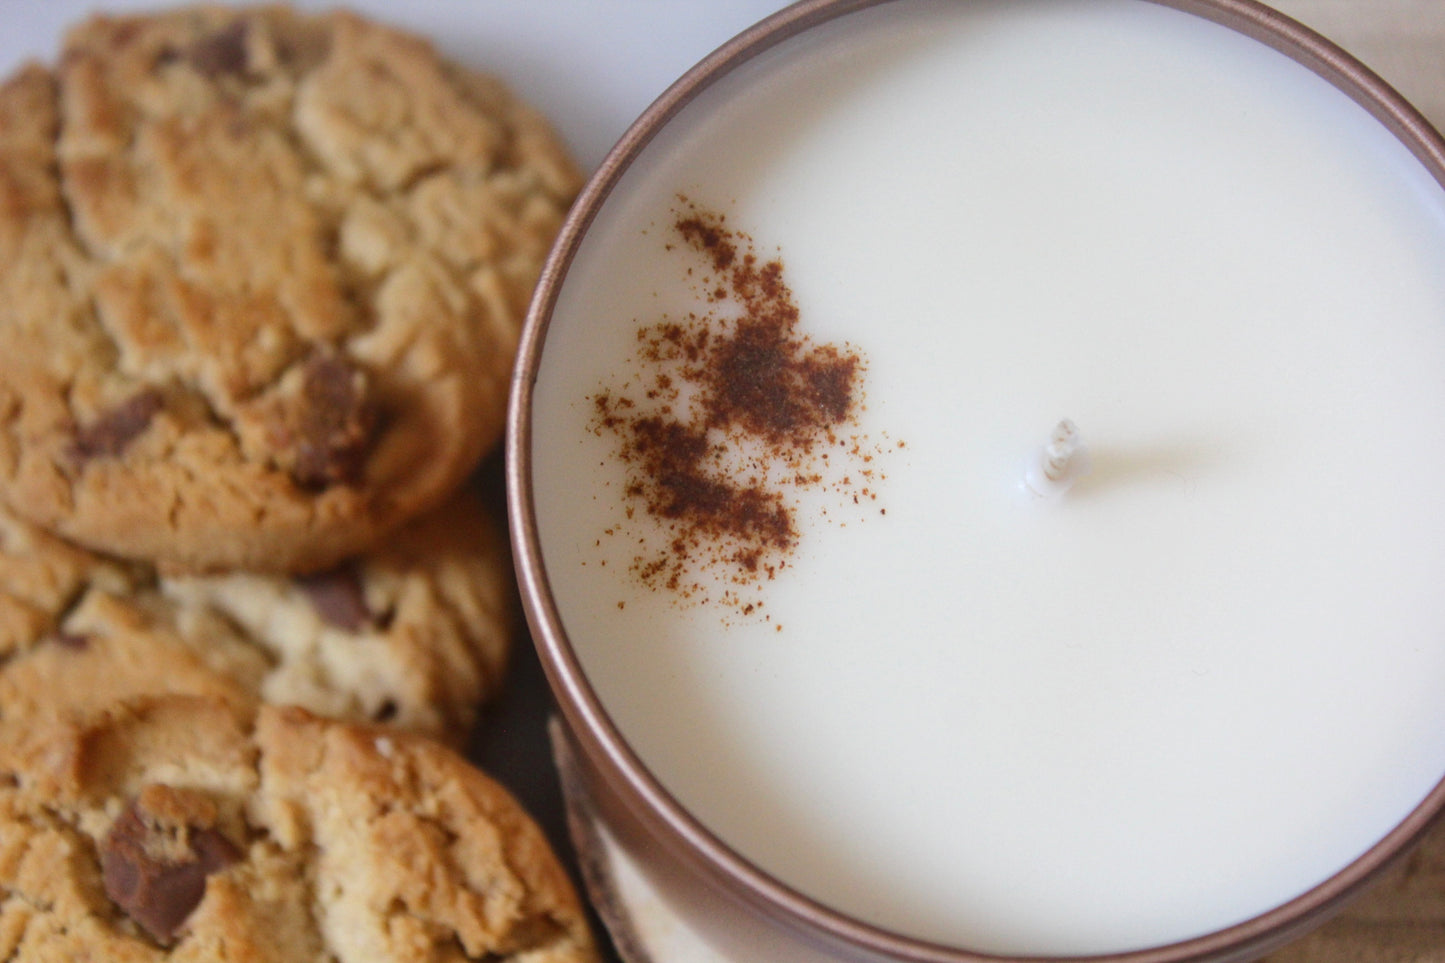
point(973, 708)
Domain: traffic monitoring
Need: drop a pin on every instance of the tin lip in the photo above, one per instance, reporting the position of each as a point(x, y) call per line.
point(588, 721)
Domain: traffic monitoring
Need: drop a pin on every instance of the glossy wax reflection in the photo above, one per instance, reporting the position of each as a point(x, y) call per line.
point(1200, 681)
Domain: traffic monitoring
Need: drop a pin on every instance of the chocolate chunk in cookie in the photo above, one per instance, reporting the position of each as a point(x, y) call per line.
point(338, 597)
point(108, 435)
point(323, 434)
point(155, 866)
point(222, 52)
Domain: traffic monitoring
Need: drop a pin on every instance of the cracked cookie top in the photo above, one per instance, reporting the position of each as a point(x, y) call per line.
point(264, 278)
point(178, 828)
point(414, 634)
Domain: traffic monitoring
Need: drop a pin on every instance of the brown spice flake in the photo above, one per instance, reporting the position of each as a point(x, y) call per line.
point(725, 418)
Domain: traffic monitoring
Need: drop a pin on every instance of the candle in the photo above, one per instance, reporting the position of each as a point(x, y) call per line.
point(1005, 703)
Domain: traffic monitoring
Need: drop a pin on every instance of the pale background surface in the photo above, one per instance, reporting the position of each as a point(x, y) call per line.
point(593, 65)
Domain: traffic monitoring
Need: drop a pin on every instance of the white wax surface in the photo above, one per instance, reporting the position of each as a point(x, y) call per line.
point(1206, 678)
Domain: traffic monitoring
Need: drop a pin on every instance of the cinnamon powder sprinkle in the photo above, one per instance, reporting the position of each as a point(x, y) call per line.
point(728, 414)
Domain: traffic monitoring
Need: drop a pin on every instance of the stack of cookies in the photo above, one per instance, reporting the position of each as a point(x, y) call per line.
point(261, 280)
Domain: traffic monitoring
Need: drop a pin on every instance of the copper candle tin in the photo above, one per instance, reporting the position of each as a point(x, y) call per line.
point(751, 915)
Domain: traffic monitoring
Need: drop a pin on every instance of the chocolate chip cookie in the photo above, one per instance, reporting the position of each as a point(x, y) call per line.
point(264, 279)
point(414, 634)
point(179, 828)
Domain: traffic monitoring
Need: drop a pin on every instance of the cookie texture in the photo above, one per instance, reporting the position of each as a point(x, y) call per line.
point(415, 634)
point(41, 578)
point(179, 828)
point(265, 276)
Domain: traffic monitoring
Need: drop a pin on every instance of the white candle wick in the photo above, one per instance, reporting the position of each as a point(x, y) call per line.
point(1056, 466)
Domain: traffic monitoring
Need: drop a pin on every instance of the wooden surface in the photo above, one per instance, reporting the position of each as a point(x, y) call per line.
point(1401, 918)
